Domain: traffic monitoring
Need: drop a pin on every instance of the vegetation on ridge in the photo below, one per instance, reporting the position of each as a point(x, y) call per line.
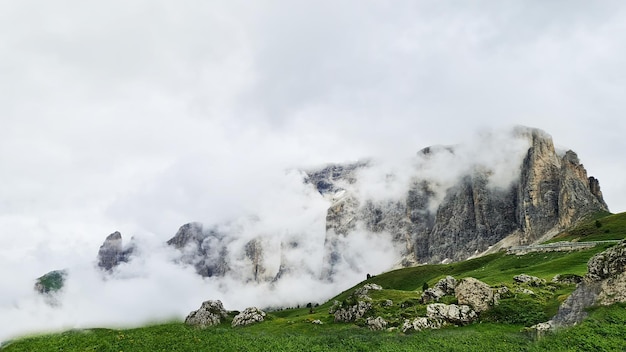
point(499, 329)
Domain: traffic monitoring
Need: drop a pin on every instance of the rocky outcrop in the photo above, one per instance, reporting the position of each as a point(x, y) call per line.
point(352, 313)
point(529, 280)
point(442, 288)
point(452, 313)
point(361, 292)
point(376, 324)
point(249, 316)
point(475, 293)
point(567, 279)
point(210, 313)
point(112, 252)
point(437, 221)
point(604, 284)
point(422, 323)
point(51, 282)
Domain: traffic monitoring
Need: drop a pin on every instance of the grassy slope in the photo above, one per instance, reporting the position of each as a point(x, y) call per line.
point(291, 330)
point(602, 226)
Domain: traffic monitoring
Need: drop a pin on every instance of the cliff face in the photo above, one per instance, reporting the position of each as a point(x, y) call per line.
point(548, 192)
point(112, 253)
point(447, 205)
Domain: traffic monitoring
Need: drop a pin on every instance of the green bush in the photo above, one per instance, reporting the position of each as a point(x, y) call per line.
point(518, 311)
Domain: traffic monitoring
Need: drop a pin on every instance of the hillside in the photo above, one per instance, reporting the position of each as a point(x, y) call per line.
point(501, 328)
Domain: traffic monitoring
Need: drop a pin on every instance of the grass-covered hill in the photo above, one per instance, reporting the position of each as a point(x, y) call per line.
point(500, 329)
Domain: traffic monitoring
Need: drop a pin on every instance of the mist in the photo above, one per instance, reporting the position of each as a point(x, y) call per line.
point(142, 117)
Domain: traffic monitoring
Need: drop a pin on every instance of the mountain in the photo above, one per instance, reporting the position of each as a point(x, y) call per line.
point(446, 203)
point(431, 222)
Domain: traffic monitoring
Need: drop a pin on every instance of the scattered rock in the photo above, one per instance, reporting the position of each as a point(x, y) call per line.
point(442, 288)
point(524, 291)
point(377, 323)
point(475, 293)
point(530, 280)
point(387, 303)
point(249, 316)
point(362, 291)
point(540, 330)
point(451, 313)
point(336, 305)
point(567, 279)
point(210, 313)
point(502, 292)
point(317, 322)
point(352, 313)
point(422, 323)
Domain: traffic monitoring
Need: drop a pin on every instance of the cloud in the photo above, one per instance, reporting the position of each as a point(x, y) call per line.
point(141, 117)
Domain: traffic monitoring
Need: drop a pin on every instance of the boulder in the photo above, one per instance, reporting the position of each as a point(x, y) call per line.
point(352, 313)
point(422, 323)
point(387, 303)
point(112, 253)
point(249, 316)
point(377, 323)
point(210, 313)
point(452, 313)
point(317, 322)
point(442, 288)
point(364, 290)
point(475, 293)
point(567, 279)
point(530, 280)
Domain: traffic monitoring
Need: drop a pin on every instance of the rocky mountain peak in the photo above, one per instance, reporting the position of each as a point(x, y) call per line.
point(112, 252)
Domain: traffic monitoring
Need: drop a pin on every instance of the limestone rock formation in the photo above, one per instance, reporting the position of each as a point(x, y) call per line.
point(452, 313)
point(475, 293)
point(442, 288)
point(251, 315)
point(377, 323)
point(528, 279)
point(604, 284)
point(112, 252)
point(422, 323)
point(209, 314)
point(438, 220)
point(361, 292)
point(352, 313)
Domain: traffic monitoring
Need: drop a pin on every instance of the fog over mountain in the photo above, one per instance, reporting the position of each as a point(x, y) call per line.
point(142, 117)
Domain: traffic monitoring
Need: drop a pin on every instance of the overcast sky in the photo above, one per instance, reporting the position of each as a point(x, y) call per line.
point(140, 116)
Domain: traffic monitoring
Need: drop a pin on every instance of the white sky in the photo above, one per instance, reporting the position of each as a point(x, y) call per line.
point(141, 116)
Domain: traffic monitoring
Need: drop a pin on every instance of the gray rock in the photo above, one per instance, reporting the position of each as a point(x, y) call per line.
point(567, 279)
point(442, 288)
point(528, 279)
point(205, 249)
point(317, 322)
point(251, 315)
point(377, 323)
point(452, 313)
point(336, 306)
point(525, 291)
point(604, 283)
point(112, 252)
point(362, 291)
point(210, 313)
point(422, 323)
point(352, 313)
point(387, 303)
point(475, 293)
point(550, 193)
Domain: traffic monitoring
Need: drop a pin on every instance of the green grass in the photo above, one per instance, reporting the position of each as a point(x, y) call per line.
point(604, 330)
point(601, 227)
point(292, 330)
